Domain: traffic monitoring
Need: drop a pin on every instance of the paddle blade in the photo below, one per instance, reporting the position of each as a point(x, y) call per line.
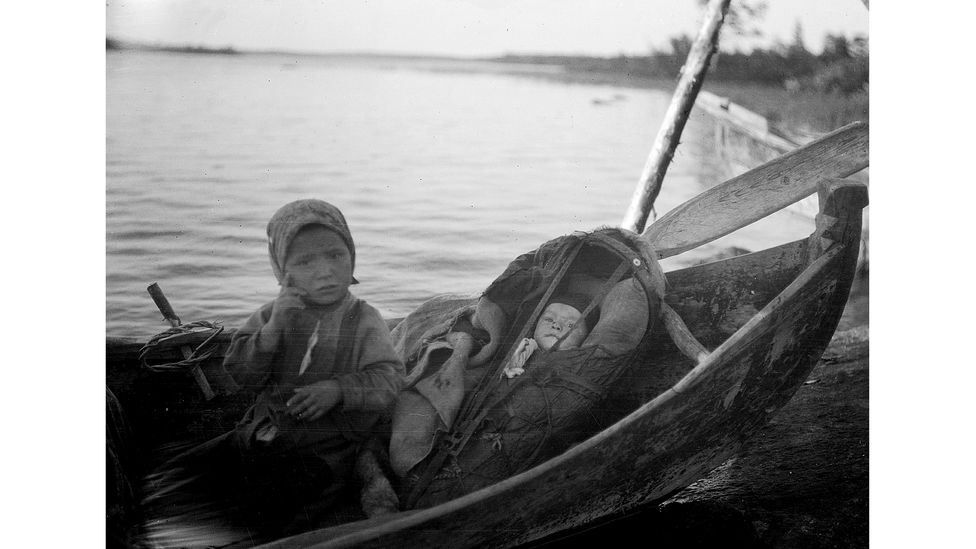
point(761, 191)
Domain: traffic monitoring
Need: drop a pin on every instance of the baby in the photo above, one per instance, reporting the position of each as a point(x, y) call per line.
point(561, 320)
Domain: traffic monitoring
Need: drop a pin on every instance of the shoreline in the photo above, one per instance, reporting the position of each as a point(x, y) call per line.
point(803, 112)
point(799, 111)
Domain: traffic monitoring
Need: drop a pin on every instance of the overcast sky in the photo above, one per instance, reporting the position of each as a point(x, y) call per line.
point(459, 27)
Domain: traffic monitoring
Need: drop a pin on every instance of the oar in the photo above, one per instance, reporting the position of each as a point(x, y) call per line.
point(761, 191)
point(692, 76)
point(170, 315)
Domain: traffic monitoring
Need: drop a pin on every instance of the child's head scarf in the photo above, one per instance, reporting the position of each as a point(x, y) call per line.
point(292, 217)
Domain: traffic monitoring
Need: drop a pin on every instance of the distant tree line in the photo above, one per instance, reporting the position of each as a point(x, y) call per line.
point(841, 67)
point(115, 44)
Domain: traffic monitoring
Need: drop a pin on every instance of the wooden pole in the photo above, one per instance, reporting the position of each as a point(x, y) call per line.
point(692, 76)
point(170, 315)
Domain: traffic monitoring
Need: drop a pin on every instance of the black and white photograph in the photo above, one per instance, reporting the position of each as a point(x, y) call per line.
point(472, 273)
point(486, 274)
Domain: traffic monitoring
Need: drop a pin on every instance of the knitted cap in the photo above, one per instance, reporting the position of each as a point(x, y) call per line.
point(292, 217)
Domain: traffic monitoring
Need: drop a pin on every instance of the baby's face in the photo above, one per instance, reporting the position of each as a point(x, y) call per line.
point(319, 263)
point(556, 320)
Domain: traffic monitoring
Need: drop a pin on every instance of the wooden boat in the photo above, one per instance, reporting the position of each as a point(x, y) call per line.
point(743, 139)
point(766, 318)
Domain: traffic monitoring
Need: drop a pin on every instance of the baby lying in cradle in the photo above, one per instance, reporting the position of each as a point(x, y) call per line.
point(432, 403)
point(561, 322)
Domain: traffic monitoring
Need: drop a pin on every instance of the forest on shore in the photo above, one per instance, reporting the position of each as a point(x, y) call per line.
point(842, 67)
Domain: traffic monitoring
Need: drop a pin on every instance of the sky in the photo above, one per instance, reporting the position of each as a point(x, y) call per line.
point(460, 27)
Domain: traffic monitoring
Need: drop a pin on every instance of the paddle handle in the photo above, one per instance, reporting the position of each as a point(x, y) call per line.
point(159, 298)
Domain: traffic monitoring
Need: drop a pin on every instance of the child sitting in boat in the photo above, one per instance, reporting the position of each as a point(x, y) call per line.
point(322, 362)
point(324, 367)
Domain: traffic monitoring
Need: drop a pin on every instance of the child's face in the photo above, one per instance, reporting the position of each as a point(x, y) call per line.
point(318, 263)
point(556, 320)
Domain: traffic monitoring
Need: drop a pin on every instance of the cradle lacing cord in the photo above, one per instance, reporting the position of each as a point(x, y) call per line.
point(202, 352)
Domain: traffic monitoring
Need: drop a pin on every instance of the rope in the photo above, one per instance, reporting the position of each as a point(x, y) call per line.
point(203, 351)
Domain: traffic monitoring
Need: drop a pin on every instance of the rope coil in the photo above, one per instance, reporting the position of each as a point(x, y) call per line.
point(202, 352)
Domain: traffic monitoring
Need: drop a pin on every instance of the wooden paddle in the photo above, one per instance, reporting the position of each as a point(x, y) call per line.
point(761, 191)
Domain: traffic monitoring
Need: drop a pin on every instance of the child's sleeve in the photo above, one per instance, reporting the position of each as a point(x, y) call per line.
point(244, 361)
point(379, 371)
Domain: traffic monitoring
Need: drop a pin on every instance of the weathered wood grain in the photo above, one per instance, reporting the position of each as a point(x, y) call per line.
point(841, 202)
point(753, 126)
point(762, 191)
point(716, 299)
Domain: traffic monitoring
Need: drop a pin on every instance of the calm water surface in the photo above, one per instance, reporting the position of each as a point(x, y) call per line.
point(445, 174)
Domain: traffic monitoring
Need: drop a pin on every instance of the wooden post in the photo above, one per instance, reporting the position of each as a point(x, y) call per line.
point(841, 201)
point(692, 76)
point(170, 315)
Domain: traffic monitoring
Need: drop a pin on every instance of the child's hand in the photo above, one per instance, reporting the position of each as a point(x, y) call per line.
point(288, 301)
point(313, 401)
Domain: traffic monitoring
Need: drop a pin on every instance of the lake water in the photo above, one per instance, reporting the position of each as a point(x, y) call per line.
point(444, 171)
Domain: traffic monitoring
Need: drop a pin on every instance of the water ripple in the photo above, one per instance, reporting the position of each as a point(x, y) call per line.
point(443, 176)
